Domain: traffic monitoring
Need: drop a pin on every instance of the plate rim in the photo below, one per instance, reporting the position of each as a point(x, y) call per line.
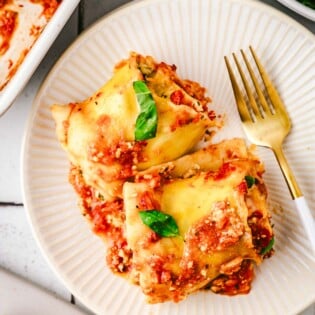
point(136, 4)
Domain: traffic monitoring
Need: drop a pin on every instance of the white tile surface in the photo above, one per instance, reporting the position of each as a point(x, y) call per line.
point(20, 254)
point(17, 296)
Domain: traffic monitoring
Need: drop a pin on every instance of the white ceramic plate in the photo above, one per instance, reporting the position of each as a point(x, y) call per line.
point(194, 35)
point(36, 53)
point(299, 8)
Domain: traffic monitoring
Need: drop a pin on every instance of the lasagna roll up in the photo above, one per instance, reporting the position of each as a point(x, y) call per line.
point(213, 196)
point(98, 134)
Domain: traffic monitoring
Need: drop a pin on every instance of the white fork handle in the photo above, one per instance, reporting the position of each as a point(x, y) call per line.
point(307, 220)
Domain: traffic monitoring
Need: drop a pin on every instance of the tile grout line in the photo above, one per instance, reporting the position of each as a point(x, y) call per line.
point(81, 16)
point(5, 204)
point(72, 299)
point(11, 204)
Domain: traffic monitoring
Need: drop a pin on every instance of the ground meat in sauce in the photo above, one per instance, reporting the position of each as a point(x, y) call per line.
point(125, 154)
point(49, 6)
point(217, 231)
point(8, 22)
point(236, 283)
point(260, 234)
point(147, 202)
point(224, 171)
point(107, 219)
point(119, 257)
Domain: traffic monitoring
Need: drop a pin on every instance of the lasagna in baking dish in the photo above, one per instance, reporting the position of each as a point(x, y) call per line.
point(21, 22)
point(176, 216)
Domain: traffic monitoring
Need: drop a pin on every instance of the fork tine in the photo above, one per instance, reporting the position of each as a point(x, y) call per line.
point(260, 94)
point(252, 101)
point(271, 90)
point(240, 101)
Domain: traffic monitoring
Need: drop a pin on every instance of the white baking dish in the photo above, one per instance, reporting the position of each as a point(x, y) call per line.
point(34, 56)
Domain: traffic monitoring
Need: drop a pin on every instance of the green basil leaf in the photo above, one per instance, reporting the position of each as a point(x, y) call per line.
point(161, 223)
point(250, 181)
point(146, 123)
point(266, 249)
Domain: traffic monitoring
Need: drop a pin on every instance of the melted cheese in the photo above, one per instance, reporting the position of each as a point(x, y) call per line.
point(222, 223)
point(188, 200)
point(98, 133)
point(211, 212)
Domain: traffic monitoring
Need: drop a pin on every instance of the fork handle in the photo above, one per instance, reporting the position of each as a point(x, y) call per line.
point(287, 172)
point(300, 202)
point(307, 219)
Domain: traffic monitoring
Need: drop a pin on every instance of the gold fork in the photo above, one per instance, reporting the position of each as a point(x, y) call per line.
point(266, 123)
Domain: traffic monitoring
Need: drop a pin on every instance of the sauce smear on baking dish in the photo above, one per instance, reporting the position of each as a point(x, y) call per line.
point(49, 6)
point(21, 23)
point(8, 20)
